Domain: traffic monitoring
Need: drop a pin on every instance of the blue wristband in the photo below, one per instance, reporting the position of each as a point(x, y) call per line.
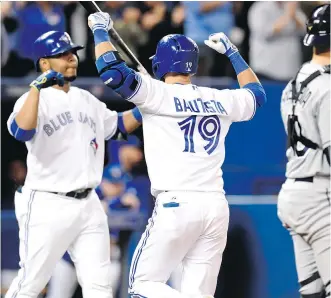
point(137, 115)
point(20, 133)
point(238, 63)
point(120, 123)
point(100, 35)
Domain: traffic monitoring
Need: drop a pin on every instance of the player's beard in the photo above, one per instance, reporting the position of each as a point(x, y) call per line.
point(73, 77)
point(70, 79)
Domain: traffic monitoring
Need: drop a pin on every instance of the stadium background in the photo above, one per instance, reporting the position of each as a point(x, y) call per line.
point(258, 261)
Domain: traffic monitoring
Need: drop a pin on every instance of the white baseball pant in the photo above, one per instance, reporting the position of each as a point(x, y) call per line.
point(188, 228)
point(50, 224)
point(304, 209)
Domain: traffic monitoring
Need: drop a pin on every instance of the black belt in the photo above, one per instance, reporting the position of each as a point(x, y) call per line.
point(306, 179)
point(75, 194)
point(71, 194)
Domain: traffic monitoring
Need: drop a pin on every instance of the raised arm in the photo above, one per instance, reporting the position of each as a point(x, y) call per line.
point(100, 24)
point(245, 75)
point(24, 121)
point(112, 69)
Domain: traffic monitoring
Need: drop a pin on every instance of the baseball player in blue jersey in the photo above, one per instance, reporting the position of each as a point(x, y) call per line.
point(57, 209)
point(184, 131)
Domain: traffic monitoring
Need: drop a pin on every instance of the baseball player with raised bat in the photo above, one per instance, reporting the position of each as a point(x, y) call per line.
point(184, 130)
point(58, 210)
point(304, 200)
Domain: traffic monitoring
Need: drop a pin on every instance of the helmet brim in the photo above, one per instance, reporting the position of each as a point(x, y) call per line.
point(72, 47)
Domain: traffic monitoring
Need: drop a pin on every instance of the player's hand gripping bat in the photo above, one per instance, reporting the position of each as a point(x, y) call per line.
point(92, 7)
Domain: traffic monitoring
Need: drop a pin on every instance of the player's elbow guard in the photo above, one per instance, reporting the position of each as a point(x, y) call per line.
point(21, 134)
point(117, 75)
point(258, 92)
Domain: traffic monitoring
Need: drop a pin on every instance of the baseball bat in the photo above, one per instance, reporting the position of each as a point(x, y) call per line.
point(92, 7)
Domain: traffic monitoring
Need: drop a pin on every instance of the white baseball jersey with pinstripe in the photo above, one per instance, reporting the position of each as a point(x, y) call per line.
point(304, 200)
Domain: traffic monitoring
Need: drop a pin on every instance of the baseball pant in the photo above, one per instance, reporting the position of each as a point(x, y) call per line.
point(188, 228)
point(50, 224)
point(64, 281)
point(304, 209)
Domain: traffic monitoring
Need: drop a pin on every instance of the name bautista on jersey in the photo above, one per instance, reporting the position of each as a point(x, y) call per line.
point(64, 119)
point(199, 106)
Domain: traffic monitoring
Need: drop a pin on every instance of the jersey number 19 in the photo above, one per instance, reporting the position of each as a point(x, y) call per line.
point(209, 129)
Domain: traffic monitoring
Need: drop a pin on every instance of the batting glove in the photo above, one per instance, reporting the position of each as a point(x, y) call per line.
point(48, 79)
point(100, 21)
point(221, 43)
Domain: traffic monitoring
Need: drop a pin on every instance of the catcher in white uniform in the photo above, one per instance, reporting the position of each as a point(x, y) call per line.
point(184, 131)
point(304, 200)
point(57, 209)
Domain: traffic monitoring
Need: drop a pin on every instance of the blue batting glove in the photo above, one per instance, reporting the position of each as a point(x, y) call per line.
point(48, 79)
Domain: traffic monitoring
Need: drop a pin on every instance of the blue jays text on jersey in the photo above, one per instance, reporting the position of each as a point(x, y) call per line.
point(66, 118)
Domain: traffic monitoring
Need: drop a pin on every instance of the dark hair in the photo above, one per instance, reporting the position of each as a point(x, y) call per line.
point(320, 49)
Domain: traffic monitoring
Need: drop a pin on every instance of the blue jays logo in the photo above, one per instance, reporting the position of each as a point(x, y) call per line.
point(94, 145)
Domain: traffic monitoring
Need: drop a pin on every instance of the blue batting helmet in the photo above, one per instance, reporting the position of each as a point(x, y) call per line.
point(175, 53)
point(51, 44)
point(318, 27)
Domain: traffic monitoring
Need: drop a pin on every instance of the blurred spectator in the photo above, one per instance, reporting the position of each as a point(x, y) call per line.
point(29, 20)
point(202, 19)
point(241, 9)
point(117, 193)
point(11, 63)
point(155, 20)
point(124, 155)
point(76, 25)
point(17, 172)
point(178, 17)
point(275, 49)
point(117, 175)
point(115, 190)
point(36, 19)
point(5, 46)
point(308, 6)
point(126, 19)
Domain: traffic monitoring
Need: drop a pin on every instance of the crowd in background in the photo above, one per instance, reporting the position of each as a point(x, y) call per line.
point(268, 34)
